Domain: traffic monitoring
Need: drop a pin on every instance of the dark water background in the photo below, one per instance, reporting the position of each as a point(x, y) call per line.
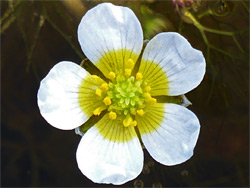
point(35, 35)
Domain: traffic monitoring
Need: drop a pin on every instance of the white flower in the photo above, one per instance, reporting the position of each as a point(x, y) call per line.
point(110, 151)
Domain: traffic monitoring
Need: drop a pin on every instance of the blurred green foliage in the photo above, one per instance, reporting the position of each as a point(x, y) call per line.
point(35, 35)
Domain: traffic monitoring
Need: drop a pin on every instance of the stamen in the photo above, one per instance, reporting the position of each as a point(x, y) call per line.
point(111, 75)
point(138, 76)
point(127, 121)
point(97, 111)
point(104, 87)
point(125, 95)
point(128, 72)
point(147, 95)
point(134, 123)
point(140, 112)
point(130, 63)
point(98, 92)
point(152, 101)
point(112, 115)
point(107, 101)
point(147, 88)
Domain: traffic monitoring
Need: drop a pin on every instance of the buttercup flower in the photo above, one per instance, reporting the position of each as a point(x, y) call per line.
point(126, 100)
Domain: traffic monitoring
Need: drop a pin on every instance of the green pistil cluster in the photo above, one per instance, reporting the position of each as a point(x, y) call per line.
point(124, 96)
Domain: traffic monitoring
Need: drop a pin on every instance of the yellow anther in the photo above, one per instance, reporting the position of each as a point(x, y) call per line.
point(138, 76)
point(98, 92)
point(133, 123)
point(105, 87)
point(112, 115)
point(140, 112)
point(107, 101)
point(111, 75)
point(130, 63)
point(128, 72)
point(97, 111)
point(152, 100)
point(127, 121)
point(147, 95)
point(147, 88)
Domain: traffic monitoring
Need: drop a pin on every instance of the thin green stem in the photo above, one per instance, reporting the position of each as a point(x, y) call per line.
point(9, 12)
point(180, 27)
point(31, 49)
point(7, 23)
point(214, 47)
point(202, 29)
point(228, 33)
point(205, 13)
point(34, 69)
point(238, 45)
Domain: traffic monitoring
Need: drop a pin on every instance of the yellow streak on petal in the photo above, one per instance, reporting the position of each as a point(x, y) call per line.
point(115, 61)
point(152, 119)
point(95, 77)
point(114, 131)
point(87, 98)
point(96, 80)
point(156, 77)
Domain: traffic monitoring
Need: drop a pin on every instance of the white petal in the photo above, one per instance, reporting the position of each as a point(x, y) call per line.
point(106, 28)
point(173, 141)
point(58, 96)
point(183, 65)
point(106, 160)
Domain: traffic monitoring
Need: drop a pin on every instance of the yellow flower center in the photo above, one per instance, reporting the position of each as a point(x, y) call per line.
point(125, 95)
